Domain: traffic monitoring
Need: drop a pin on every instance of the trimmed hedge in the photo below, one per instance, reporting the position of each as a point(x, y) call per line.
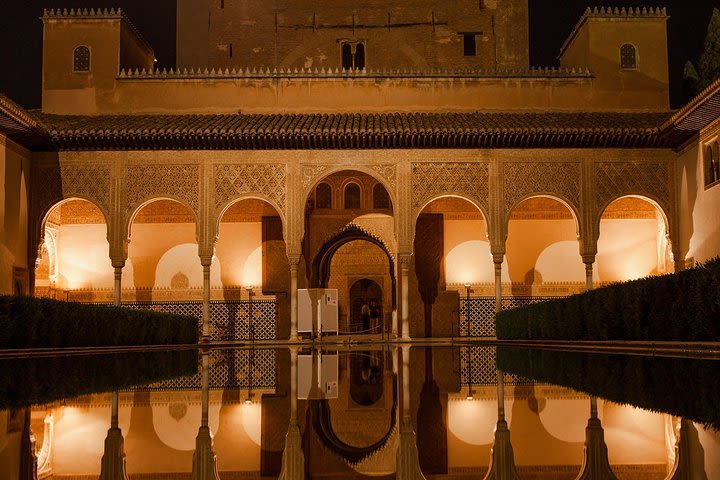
point(35, 381)
point(684, 306)
point(27, 322)
point(686, 387)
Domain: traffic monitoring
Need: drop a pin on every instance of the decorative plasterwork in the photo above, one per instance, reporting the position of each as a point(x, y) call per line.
point(53, 183)
point(266, 180)
point(617, 179)
point(465, 179)
point(525, 179)
point(178, 182)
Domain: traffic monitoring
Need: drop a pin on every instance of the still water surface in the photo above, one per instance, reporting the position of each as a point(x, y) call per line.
point(381, 411)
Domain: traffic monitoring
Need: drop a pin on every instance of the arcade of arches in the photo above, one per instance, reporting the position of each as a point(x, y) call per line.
point(350, 242)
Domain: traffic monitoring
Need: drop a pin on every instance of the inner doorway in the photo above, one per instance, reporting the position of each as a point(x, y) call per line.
point(366, 307)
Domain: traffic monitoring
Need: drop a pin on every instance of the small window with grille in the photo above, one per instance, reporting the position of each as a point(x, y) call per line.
point(323, 196)
point(628, 57)
point(81, 59)
point(352, 196)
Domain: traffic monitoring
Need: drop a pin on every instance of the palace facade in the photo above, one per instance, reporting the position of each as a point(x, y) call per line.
point(407, 155)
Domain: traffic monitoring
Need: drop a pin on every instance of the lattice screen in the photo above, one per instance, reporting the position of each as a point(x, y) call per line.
point(229, 369)
point(229, 320)
point(477, 366)
point(477, 315)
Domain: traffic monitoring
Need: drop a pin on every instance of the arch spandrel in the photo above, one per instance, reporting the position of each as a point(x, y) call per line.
point(54, 183)
point(522, 180)
point(179, 182)
point(433, 180)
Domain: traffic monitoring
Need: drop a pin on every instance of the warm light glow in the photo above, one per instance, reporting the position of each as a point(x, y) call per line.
point(566, 419)
point(252, 270)
point(83, 257)
point(473, 420)
point(184, 259)
point(176, 422)
point(251, 416)
point(469, 262)
point(627, 249)
point(561, 262)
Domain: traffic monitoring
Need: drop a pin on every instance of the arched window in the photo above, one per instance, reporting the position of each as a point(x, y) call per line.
point(381, 199)
point(323, 196)
point(352, 196)
point(347, 57)
point(359, 56)
point(81, 59)
point(628, 56)
point(711, 166)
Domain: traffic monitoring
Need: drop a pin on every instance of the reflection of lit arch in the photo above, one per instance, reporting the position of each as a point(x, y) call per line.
point(253, 196)
point(473, 421)
point(322, 423)
point(574, 211)
point(138, 209)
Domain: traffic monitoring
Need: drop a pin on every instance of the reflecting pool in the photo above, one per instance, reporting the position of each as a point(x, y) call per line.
point(353, 411)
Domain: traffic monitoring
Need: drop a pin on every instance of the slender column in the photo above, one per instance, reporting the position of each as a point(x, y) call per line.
point(293, 299)
point(206, 262)
point(28, 460)
point(407, 460)
point(404, 262)
point(293, 461)
point(112, 466)
point(117, 293)
point(204, 462)
point(502, 458)
point(595, 454)
point(684, 467)
point(498, 260)
point(588, 260)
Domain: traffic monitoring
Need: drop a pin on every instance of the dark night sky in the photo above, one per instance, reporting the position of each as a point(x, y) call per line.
point(550, 23)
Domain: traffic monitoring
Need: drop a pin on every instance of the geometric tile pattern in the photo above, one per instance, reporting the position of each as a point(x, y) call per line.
point(477, 367)
point(178, 182)
point(229, 369)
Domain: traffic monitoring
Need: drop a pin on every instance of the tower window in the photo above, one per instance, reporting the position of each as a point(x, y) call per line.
point(359, 56)
point(352, 196)
point(353, 58)
point(323, 196)
point(628, 56)
point(81, 59)
point(469, 44)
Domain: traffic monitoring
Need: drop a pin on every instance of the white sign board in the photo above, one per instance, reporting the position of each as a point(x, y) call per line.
point(318, 310)
point(318, 382)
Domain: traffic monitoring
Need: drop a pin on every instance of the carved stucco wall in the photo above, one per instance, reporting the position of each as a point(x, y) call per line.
point(119, 182)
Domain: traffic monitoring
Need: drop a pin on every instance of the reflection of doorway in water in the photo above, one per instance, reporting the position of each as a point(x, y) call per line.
point(366, 307)
point(366, 377)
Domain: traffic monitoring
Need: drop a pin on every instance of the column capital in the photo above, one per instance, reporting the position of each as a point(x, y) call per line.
point(498, 258)
point(588, 258)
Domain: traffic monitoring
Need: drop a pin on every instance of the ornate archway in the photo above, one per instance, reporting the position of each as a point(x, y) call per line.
point(320, 267)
